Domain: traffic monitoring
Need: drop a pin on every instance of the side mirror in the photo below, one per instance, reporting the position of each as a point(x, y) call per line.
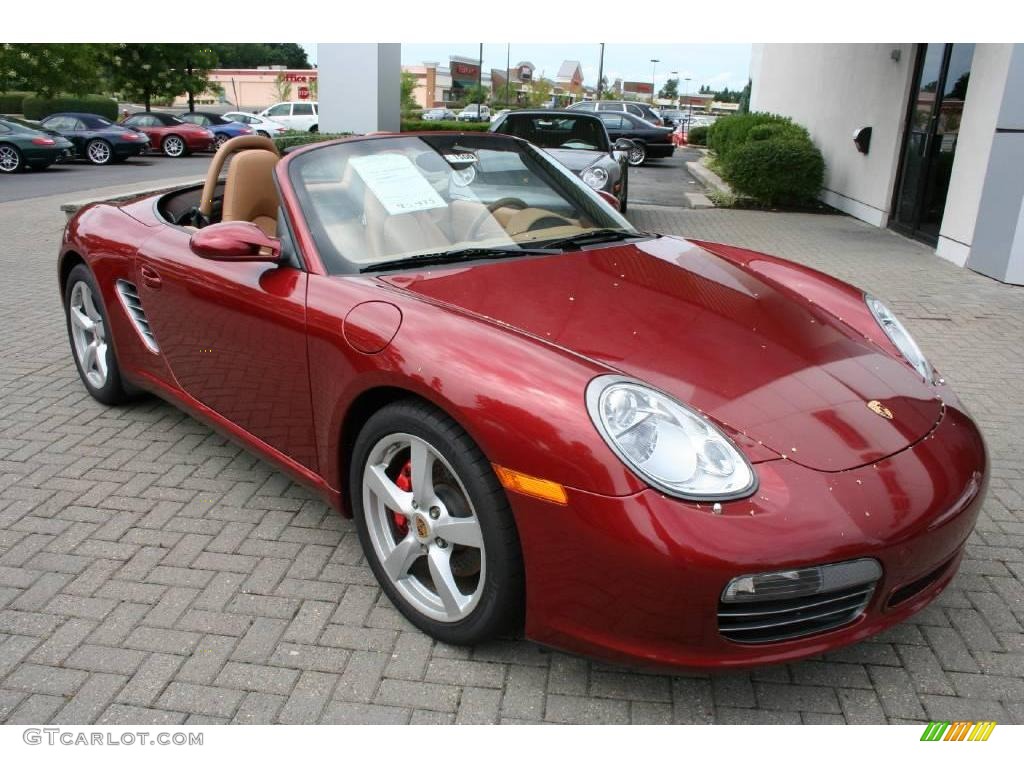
point(621, 147)
point(235, 241)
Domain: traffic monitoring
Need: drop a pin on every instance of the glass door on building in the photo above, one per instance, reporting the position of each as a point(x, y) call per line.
point(933, 122)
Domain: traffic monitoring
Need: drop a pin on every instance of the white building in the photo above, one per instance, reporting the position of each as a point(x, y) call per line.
point(945, 159)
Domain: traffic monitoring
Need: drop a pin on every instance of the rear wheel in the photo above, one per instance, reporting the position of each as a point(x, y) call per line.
point(10, 159)
point(99, 152)
point(220, 141)
point(173, 145)
point(638, 154)
point(264, 134)
point(314, 129)
point(89, 333)
point(435, 525)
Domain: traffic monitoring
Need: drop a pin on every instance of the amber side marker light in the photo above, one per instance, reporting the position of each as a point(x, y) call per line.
point(528, 485)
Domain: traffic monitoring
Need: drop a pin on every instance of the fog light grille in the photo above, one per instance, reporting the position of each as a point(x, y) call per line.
point(783, 605)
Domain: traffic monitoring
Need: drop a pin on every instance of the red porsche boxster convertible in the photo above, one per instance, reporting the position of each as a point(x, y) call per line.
point(634, 446)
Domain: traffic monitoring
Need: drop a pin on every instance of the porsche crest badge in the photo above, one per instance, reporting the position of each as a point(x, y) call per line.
point(880, 409)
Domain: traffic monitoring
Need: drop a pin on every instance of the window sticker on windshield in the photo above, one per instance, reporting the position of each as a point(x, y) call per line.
point(397, 184)
point(460, 157)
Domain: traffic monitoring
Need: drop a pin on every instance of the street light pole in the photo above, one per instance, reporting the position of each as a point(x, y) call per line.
point(689, 104)
point(600, 73)
point(654, 67)
point(508, 66)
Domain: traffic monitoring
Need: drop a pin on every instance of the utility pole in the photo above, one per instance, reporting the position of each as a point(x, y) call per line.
point(480, 69)
point(600, 74)
point(689, 105)
point(508, 68)
point(654, 68)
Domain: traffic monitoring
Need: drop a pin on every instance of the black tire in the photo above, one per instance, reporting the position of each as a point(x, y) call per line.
point(94, 152)
point(638, 154)
point(500, 607)
point(113, 391)
point(221, 140)
point(264, 134)
point(11, 159)
point(40, 166)
point(314, 129)
point(177, 152)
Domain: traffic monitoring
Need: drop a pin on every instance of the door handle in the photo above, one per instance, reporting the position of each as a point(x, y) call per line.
point(150, 277)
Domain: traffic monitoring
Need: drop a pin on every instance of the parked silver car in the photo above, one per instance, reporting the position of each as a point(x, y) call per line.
point(438, 113)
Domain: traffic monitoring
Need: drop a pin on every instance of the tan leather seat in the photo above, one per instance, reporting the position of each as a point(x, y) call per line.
point(403, 233)
point(249, 191)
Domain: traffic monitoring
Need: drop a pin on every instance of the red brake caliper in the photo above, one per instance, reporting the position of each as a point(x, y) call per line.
point(404, 482)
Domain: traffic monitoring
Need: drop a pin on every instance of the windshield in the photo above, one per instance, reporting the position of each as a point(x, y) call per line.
point(576, 132)
point(383, 199)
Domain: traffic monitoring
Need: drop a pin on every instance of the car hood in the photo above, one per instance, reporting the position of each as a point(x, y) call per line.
point(576, 160)
point(748, 352)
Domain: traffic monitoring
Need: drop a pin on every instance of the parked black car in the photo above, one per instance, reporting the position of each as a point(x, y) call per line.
point(638, 108)
point(578, 141)
point(95, 138)
point(649, 140)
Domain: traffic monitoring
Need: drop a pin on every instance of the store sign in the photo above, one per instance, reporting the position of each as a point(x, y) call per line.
point(293, 78)
point(637, 87)
point(464, 75)
point(303, 91)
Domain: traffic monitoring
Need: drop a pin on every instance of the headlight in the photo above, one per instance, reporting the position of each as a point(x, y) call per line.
point(673, 448)
point(595, 178)
point(899, 336)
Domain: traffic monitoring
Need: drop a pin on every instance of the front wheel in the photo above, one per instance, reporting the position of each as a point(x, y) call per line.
point(10, 159)
point(220, 141)
point(99, 152)
point(637, 155)
point(435, 525)
point(314, 129)
point(264, 134)
point(173, 146)
point(89, 332)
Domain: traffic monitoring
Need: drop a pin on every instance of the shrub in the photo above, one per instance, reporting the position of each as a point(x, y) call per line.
point(442, 125)
point(298, 138)
point(12, 103)
point(729, 133)
point(698, 135)
point(779, 170)
point(37, 107)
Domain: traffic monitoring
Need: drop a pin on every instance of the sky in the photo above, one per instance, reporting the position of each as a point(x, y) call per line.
point(717, 65)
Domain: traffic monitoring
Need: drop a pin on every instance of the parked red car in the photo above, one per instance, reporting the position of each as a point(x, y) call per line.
point(639, 447)
point(168, 134)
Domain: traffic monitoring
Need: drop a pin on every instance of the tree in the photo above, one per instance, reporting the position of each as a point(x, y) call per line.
point(146, 71)
point(670, 90)
point(282, 88)
point(408, 103)
point(51, 68)
point(475, 94)
point(540, 92)
point(745, 98)
point(252, 55)
point(198, 59)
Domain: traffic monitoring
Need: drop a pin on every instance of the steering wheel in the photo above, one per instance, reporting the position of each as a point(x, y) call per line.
point(501, 202)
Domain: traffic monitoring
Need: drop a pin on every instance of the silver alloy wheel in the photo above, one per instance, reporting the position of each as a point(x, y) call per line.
point(434, 535)
point(88, 335)
point(637, 155)
point(173, 146)
point(10, 160)
point(220, 141)
point(98, 151)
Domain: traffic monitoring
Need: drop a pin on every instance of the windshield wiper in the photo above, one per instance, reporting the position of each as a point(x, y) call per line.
point(456, 255)
point(590, 237)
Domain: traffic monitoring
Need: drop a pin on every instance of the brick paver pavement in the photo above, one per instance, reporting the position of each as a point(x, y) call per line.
point(151, 572)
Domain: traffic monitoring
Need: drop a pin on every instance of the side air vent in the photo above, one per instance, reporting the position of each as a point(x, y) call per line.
point(130, 299)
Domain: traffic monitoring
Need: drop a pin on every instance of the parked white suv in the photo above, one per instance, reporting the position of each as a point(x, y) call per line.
point(475, 113)
point(295, 115)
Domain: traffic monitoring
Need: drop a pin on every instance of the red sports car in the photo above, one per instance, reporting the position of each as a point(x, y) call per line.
point(170, 135)
point(639, 447)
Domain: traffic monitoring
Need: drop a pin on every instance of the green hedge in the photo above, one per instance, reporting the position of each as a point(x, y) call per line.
point(732, 131)
point(697, 135)
point(442, 125)
point(12, 103)
point(298, 138)
point(36, 107)
point(767, 157)
point(781, 170)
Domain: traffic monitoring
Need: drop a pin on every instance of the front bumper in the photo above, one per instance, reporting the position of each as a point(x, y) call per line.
point(638, 578)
